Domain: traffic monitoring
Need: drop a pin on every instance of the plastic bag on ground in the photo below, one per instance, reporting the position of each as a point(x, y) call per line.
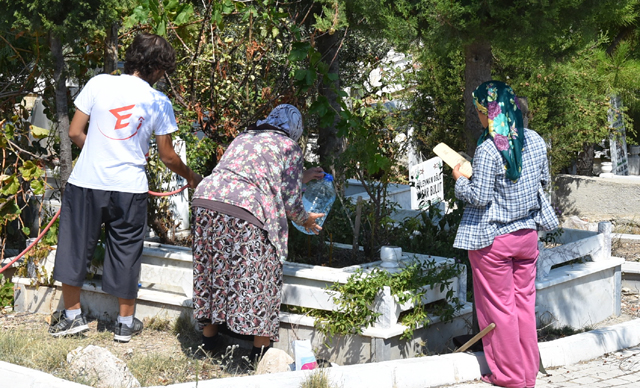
point(304, 357)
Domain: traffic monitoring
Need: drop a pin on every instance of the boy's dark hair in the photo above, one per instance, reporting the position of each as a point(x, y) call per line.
point(149, 53)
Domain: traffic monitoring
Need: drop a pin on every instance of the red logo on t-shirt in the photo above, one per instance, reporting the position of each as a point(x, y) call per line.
point(121, 124)
point(116, 112)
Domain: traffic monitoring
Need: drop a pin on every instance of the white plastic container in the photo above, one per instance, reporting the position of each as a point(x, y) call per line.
point(318, 198)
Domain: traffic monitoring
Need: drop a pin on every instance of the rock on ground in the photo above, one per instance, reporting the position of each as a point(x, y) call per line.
point(274, 361)
point(99, 365)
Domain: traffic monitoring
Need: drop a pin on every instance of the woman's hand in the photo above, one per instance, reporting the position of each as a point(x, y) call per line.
point(312, 173)
point(194, 180)
point(456, 172)
point(310, 225)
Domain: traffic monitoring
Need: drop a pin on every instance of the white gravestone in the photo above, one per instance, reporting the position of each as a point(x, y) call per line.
point(426, 183)
point(179, 201)
point(618, 139)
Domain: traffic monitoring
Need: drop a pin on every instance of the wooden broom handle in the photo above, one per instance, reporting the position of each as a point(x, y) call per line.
point(475, 338)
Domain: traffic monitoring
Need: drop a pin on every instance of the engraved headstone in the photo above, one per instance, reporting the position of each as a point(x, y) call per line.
point(426, 183)
point(618, 139)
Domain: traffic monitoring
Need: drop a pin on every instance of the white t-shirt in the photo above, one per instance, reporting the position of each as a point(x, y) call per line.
point(124, 111)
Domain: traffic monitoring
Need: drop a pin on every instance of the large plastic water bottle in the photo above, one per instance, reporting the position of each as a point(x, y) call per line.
point(318, 198)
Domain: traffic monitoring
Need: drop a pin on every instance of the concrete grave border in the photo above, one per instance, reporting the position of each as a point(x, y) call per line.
point(421, 372)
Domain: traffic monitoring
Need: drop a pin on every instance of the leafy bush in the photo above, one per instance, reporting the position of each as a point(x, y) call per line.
point(6, 292)
point(356, 298)
point(21, 178)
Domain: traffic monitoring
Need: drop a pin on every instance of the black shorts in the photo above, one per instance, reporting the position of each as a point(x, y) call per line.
point(124, 216)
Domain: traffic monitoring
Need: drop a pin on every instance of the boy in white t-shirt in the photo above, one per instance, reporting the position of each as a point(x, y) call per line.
point(109, 185)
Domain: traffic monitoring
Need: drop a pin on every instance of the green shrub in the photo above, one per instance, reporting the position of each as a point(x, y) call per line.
point(6, 292)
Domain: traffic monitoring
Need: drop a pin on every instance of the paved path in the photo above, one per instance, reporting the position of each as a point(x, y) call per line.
point(620, 370)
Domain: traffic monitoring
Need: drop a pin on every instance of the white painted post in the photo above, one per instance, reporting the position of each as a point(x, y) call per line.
point(180, 201)
point(390, 255)
point(604, 228)
point(385, 304)
point(381, 349)
point(617, 279)
point(462, 284)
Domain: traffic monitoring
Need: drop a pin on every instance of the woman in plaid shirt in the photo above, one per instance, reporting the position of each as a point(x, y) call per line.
point(499, 229)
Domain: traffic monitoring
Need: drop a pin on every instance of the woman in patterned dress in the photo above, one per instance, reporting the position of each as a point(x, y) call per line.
point(240, 229)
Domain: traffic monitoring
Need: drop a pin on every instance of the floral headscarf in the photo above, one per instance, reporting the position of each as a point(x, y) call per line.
point(287, 118)
point(498, 101)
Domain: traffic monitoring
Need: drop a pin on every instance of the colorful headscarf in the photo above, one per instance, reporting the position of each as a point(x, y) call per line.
point(287, 118)
point(498, 101)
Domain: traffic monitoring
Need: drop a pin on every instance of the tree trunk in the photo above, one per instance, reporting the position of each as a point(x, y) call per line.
point(62, 109)
point(111, 49)
point(523, 102)
point(477, 70)
point(330, 145)
point(584, 163)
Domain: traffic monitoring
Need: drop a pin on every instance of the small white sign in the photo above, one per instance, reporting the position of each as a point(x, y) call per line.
point(425, 180)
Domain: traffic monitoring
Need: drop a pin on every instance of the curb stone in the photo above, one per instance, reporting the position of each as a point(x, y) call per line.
point(421, 372)
point(22, 377)
point(434, 371)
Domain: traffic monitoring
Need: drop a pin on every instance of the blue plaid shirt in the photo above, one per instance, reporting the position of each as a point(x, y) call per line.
point(496, 205)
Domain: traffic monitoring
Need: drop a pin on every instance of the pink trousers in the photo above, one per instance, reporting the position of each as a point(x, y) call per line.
point(504, 288)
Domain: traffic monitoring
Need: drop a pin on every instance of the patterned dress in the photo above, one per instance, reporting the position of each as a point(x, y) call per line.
point(237, 269)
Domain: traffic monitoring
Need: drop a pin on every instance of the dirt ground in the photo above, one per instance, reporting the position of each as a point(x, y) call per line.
point(161, 339)
point(160, 355)
point(629, 250)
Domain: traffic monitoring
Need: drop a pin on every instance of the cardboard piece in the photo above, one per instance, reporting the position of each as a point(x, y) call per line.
point(452, 158)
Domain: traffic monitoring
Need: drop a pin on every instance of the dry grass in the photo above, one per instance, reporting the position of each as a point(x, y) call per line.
point(318, 379)
point(38, 351)
point(549, 333)
point(165, 353)
point(158, 324)
point(626, 226)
